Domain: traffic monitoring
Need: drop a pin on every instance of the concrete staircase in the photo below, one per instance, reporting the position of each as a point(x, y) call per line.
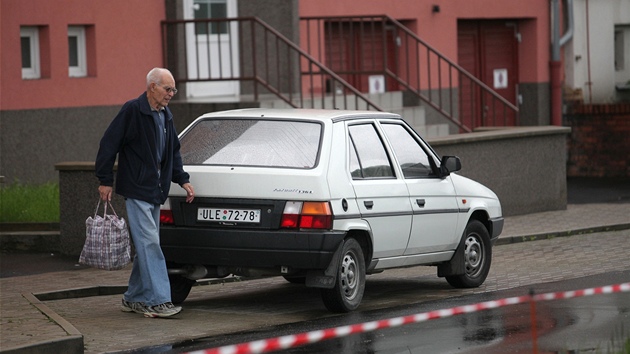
point(388, 101)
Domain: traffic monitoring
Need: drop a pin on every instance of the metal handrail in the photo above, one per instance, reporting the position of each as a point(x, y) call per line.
point(435, 75)
point(268, 61)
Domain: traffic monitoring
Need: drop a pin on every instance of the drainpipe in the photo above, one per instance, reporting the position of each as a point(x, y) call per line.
point(555, 65)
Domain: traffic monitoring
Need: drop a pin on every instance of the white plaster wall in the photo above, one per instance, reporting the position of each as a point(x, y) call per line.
point(595, 58)
point(622, 12)
point(622, 23)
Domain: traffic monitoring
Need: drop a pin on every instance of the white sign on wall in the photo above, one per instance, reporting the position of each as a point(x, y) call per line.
point(500, 78)
point(377, 83)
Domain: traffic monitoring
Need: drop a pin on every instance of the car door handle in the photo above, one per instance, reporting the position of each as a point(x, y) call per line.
point(420, 202)
point(368, 204)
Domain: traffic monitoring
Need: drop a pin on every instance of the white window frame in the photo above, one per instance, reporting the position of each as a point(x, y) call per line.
point(32, 33)
point(81, 69)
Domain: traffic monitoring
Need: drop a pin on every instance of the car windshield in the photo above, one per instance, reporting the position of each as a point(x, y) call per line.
point(247, 142)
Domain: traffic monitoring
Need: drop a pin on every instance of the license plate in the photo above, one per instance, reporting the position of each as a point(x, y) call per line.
point(229, 215)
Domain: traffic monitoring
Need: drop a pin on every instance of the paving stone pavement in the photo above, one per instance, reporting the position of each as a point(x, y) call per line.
point(599, 242)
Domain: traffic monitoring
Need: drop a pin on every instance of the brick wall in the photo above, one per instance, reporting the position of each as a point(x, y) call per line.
point(599, 143)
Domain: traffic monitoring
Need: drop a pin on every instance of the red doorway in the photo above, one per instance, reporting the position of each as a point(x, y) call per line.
point(488, 49)
point(357, 50)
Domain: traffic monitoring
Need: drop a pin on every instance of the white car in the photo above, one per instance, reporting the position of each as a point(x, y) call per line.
point(324, 198)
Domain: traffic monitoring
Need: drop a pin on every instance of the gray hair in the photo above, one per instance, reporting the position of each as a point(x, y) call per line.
point(155, 75)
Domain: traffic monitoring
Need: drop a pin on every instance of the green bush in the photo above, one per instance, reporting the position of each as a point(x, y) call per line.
point(29, 203)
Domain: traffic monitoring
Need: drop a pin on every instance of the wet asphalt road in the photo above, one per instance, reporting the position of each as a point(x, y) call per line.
point(592, 324)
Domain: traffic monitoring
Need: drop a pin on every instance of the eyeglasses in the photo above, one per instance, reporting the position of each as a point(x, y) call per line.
point(169, 89)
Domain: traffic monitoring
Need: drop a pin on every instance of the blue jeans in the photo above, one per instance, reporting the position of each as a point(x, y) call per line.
point(148, 282)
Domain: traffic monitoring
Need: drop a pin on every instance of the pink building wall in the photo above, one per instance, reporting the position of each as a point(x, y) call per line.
point(124, 48)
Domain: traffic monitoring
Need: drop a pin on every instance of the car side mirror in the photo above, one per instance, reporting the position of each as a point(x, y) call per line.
point(449, 164)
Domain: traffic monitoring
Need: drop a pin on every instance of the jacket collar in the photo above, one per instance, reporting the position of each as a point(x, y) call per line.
point(145, 107)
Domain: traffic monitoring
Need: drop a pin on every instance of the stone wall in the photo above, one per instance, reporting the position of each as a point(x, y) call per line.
point(524, 166)
point(599, 145)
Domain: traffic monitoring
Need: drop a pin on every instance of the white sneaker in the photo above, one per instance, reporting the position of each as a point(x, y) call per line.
point(137, 307)
point(166, 309)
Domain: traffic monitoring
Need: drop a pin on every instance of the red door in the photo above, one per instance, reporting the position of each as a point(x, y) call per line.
point(356, 50)
point(489, 51)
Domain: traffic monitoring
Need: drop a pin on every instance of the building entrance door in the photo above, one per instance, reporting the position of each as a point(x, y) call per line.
point(357, 51)
point(211, 49)
point(488, 49)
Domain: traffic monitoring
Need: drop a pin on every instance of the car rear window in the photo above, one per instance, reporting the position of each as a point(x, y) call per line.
point(247, 142)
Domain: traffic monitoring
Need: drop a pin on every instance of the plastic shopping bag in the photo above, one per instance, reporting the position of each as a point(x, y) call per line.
point(107, 245)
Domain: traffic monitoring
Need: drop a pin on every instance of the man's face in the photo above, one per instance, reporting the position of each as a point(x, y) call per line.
point(162, 93)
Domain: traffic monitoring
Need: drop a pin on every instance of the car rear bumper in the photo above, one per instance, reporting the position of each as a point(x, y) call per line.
point(250, 248)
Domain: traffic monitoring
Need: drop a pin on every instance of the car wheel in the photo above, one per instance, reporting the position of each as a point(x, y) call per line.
point(180, 288)
point(477, 257)
point(347, 293)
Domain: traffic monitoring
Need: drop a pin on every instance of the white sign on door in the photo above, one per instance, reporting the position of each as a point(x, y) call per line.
point(377, 83)
point(500, 78)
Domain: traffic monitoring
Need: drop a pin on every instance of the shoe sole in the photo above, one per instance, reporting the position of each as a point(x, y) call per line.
point(162, 315)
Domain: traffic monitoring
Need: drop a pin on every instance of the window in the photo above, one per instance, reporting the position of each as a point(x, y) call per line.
point(252, 143)
point(29, 38)
point(618, 50)
point(77, 57)
point(368, 158)
point(210, 9)
point(413, 160)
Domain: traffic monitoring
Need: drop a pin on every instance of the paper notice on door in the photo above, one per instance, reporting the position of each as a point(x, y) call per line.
point(500, 78)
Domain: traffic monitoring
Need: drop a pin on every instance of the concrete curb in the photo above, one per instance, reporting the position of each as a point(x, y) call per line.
point(550, 235)
point(71, 344)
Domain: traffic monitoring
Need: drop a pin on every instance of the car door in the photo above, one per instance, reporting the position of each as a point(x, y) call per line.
point(433, 200)
point(382, 196)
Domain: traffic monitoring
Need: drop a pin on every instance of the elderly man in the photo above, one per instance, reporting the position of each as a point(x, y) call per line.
point(143, 137)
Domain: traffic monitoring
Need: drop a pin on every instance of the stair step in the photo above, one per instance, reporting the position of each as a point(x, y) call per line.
point(30, 241)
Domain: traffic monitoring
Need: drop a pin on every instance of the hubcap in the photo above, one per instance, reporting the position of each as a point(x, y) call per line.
point(348, 276)
point(473, 256)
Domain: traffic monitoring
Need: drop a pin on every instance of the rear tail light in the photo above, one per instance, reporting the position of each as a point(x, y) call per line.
point(166, 217)
point(166, 214)
point(307, 215)
point(291, 215)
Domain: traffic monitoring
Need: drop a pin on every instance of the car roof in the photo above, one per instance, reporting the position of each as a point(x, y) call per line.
point(301, 113)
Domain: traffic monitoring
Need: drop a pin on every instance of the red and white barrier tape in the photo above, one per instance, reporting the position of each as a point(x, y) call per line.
point(295, 340)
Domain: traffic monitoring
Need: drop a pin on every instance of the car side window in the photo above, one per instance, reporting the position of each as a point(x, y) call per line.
point(413, 160)
point(368, 158)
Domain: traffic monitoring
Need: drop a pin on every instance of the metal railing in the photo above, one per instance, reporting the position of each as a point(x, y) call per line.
point(261, 60)
point(364, 47)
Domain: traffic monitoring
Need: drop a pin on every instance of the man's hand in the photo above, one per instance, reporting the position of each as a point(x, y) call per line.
point(105, 193)
point(190, 192)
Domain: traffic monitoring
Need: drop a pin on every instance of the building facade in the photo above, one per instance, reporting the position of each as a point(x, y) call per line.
point(64, 74)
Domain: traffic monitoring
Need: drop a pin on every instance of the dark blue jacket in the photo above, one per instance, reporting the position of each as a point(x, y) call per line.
point(132, 136)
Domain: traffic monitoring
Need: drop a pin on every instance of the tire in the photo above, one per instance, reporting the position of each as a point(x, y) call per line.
point(180, 288)
point(347, 293)
point(477, 257)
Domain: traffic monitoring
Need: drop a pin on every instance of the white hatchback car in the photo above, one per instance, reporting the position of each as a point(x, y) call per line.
point(322, 197)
